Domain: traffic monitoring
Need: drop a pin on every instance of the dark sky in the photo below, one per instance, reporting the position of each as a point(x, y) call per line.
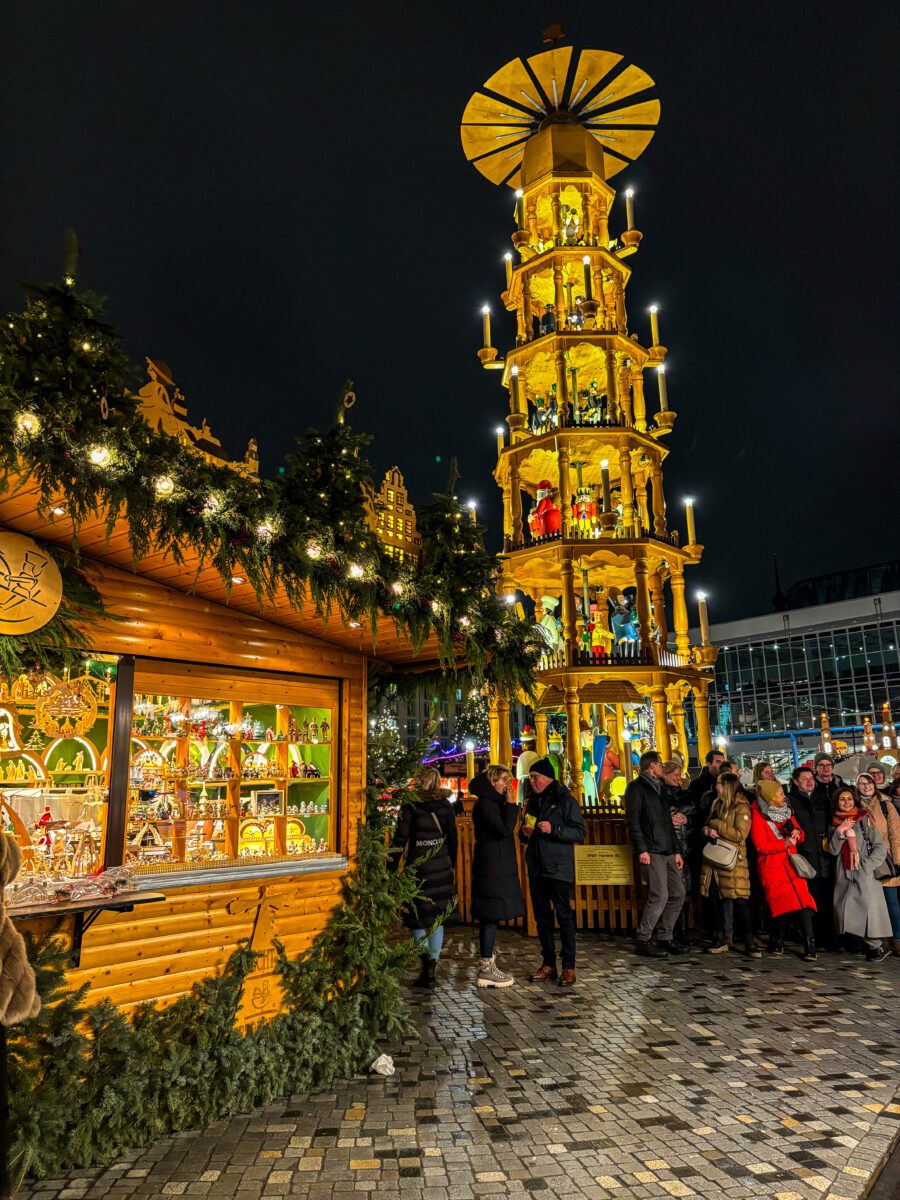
point(273, 196)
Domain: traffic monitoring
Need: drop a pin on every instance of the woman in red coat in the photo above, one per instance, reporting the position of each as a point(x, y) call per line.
point(776, 835)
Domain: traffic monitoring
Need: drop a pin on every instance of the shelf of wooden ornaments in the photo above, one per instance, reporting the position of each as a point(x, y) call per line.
point(202, 799)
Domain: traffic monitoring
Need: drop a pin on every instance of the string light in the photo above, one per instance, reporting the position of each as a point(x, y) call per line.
point(164, 486)
point(28, 423)
point(212, 503)
point(313, 550)
point(238, 579)
point(58, 510)
point(356, 571)
point(265, 530)
point(397, 588)
point(86, 347)
point(99, 455)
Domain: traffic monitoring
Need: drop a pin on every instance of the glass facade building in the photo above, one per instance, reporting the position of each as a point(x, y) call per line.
point(776, 674)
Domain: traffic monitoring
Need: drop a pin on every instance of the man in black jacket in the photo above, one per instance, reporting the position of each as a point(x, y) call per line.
point(702, 790)
point(552, 827)
point(653, 838)
point(810, 799)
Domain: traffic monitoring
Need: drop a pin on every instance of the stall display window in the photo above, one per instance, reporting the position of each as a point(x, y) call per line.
point(218, 781)
point(53, 772)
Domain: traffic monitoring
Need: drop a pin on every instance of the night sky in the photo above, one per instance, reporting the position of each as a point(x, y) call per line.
point(274, 197)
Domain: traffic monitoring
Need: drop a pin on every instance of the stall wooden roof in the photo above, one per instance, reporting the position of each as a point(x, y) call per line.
point(18, 511)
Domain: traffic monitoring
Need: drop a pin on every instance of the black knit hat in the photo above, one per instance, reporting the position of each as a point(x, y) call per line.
point(543, 766)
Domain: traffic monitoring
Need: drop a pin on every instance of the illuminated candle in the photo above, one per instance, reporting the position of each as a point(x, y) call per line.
point(689, 515)
point(704, 618)
point(588, 283)
point(654, 326)
point(473, 513)
point(500, 443)
point(514, 387)
point(486, 324)
point(629, 209)
point(507, 258)
point(470, 760)
point(663, 392)
point(520, 208)
point(604, 483)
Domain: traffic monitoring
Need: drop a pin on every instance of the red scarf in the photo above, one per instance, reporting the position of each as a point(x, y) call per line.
point(849, 850)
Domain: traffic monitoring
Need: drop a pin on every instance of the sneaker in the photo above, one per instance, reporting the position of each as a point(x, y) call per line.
point(876, 953)
point(648, 950)
point(490, 975)
point(751, 950)
point(776, 949)
point(674, 947)
point(809, 952)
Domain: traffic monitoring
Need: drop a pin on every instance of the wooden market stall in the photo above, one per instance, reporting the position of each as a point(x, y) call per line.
point(230, 741)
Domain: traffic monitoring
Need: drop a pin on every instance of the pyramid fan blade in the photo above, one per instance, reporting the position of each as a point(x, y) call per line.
point(481, 140)
point(631, 81)
point(514, 82)
point(487, 110)
point(549, 66)
point(593, 67)
point(645, 113)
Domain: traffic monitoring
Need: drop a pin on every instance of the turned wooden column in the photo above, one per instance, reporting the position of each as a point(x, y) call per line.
point(494, 726)
point(540, 734)
point(680, 613)
point(659, 500)
point(573, 741)
point(643, 606)
point(704, 733)
point(661, 716)
point(640, 402)
point(626, 486)
point(570, 629)
point(504, 742)
point(515, 507)
point(565, 489)
point(680, 727)
point(658, 594)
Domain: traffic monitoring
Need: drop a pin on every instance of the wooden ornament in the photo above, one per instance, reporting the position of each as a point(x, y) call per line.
point(30, 585)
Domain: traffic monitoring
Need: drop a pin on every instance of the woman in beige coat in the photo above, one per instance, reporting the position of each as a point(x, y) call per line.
point(887, 822)
point(729, 821)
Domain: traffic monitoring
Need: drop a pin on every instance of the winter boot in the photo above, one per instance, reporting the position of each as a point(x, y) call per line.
point(809, 951)
point(490, 975)
point(426, 975)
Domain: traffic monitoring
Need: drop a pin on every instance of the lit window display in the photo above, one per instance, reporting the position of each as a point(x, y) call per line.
point(53, 773)
point(219, 781)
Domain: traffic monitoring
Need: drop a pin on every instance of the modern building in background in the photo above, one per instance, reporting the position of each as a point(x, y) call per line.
point(833, 648)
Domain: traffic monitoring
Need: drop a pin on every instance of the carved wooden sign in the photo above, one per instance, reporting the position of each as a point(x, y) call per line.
point(30, 585)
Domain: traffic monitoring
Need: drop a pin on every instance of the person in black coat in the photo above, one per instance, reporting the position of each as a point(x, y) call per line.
point(652, 834)
point(552, 827)
point(426, 830)
point(814, 819)
point(496, 893)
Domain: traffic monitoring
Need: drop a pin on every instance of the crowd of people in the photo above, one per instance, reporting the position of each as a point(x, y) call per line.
point(818, 858)
point(755, 863)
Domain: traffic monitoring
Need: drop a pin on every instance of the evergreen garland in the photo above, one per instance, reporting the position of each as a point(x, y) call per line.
point(69, 421)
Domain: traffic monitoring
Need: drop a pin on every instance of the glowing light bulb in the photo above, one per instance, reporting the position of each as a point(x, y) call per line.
point(356, 571)
point(28, 423)
point(238, 579)
point(701, 596)
point(164, 486)
point(86, 346)
point(604, 464)
point(264, 530)
point(485, 309)
point(397, 588)
point(99, 455)
point(313, 550)
point(470, 746)
point(514, 370)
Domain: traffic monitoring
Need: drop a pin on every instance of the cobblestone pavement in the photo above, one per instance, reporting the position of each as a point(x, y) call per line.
point(704, 1076)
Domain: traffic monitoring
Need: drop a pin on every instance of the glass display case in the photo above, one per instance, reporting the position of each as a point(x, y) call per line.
point(217, 780)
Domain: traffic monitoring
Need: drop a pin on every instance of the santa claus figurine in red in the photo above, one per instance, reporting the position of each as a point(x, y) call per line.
point(545, 516)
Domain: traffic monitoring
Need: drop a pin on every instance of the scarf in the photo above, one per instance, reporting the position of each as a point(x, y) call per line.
point(780, 815)
point(850, 848)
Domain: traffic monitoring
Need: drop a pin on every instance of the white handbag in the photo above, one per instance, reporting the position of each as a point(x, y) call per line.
point(721, 854)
